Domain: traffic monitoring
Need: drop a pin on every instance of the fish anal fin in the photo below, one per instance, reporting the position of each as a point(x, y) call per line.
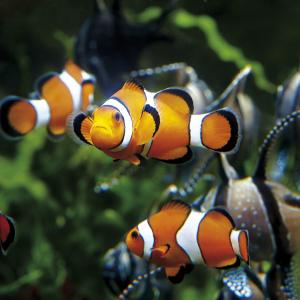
point(148, 125)
point(176, 274)
point(176, 156)
point(82, 126)
point(178, 99)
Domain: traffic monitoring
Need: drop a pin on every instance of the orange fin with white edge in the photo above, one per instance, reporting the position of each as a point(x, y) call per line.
point(176, 98)
point(148, 125)
point(176, 156)
point(240, 244)
point(82, 125)
point(177, 205)
point(134, 160)
point(176, 274)
point(220, 131)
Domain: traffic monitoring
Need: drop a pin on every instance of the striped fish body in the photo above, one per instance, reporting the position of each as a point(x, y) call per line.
point(135, 122)
point(57, 97)
point(177, 237)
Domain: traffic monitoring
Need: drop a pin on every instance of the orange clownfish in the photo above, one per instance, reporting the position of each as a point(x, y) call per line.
point(58, 96)
point(135, 123)
point(7, 232)
point(177, 237)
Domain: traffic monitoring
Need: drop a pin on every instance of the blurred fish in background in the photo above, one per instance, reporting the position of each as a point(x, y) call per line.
point(56, 98)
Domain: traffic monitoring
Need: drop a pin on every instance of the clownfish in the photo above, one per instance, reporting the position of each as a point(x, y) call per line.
point(7, 232)
point(177, 237)
point(57, 96)
point(135, 123)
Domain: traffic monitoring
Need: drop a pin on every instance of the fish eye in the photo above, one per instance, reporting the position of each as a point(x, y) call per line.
point(134, 234)
point(117, 116)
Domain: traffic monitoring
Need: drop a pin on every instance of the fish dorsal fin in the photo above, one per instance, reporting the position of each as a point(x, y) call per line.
point(178, 99)
point(148, 125)
point(133, 85)
point(175, 204)
point(82, 125)
point(43, 80)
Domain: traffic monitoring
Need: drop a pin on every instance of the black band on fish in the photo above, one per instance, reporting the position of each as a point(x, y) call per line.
point(154, 113)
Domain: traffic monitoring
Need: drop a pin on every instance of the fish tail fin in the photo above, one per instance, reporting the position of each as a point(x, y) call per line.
point(19, 116)
point(218, 131)
point(240, 244)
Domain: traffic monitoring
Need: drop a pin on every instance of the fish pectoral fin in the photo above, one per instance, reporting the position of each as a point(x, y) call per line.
point(148, 125)
point(176, 98)
point(176, 274)
point(134, 160)
point(160, 251)
point(82, 125)
point(176, 156)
